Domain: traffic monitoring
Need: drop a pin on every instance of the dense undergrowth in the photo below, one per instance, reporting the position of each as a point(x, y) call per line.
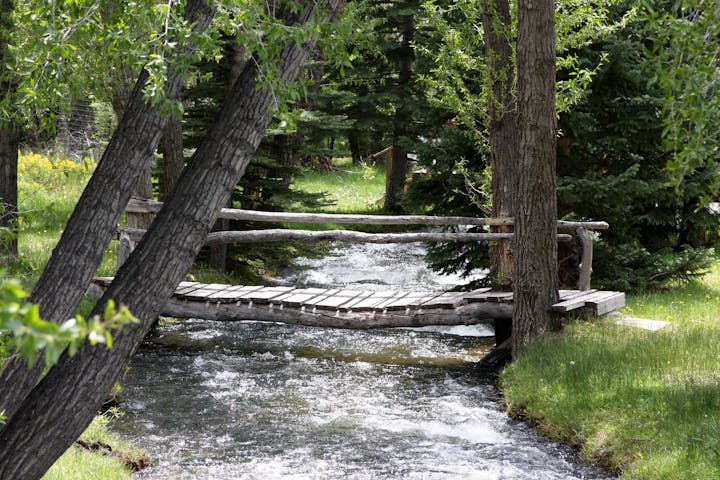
point(646, 404)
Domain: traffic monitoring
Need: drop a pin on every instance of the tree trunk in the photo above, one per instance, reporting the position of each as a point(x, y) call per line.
point(235, 55)
point(173, 159)
point(8, 194)
point(94, 220)
point(502, 130)
point(398, 168)
point(64, 402)
point(535, 273)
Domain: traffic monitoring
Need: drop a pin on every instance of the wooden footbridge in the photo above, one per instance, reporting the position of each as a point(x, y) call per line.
point(361, 309)
point(358, 309)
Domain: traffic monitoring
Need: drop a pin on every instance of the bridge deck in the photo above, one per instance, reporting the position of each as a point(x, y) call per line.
point(354, 308)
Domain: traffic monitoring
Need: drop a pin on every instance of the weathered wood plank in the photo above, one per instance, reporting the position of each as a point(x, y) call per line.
point(233, 294)
point(205, 291)
point(313, 301)
point(571, 294)
point(445, 300)
point(369, 303)
point(477, 295)
point(412, 299)
point(300, 296)
point(333, 302)
point(500, 297)
point(610, 302)
point(266, 294)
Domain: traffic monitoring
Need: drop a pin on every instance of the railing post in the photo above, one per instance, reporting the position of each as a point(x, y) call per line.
point(125, 249)
point(585, 267)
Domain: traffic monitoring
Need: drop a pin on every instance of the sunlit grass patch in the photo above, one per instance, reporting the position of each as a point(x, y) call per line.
point(80, 463)
point(353, 188)
point(646, 403)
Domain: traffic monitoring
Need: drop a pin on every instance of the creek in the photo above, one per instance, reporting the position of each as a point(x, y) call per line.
point(248, 400)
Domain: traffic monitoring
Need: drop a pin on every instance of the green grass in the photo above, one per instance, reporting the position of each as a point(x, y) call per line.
point(352, 189)
point(80, 464)
point(48, 190)
point(644, 403)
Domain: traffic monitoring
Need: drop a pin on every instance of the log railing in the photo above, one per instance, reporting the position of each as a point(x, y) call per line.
point(129, 237)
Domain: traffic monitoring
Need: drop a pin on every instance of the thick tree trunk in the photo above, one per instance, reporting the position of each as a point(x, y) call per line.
point(398, 168)
point(503, 130)
point(535, 274)
point(8, 193)
point(94, 220)
point(64, 402)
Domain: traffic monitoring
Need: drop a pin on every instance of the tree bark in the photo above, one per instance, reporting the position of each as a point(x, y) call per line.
point(535, 271)
point(8, 194)
point(173, 159)
point(398, 168)
point(8, 144)
point(502, 114)
point(64, 402)
point(235, 55)
point(94, 220)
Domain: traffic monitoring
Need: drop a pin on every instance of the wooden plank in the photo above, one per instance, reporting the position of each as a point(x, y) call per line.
point(576, 301)
point(398, 296)
point(412, 299)
point(188, 288)
point(313, 301)
point(205, 290)
point(266, 294)
point(351, 303)
point(298, 297)
point(446, 300)
point(610, 302)
point(369, 303)
point(333, 302)
point(478, 295)
point(570, 294)
point(500, 297)
point(233, 294)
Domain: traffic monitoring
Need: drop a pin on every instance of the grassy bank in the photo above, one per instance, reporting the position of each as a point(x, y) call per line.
point(99, 456)
point(646, 404)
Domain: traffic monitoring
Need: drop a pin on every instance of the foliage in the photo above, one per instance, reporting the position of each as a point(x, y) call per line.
point(644, 403)
point(682, 47)
point(612, 166)
point(25, 332)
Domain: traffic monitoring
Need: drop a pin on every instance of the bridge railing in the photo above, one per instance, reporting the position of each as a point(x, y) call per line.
point(129, 237)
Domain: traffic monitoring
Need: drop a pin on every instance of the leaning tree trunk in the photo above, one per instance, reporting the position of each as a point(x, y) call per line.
point(535, 273)
point(94, 220)
point(502, 131)
point(64, 402)
point(398, 168)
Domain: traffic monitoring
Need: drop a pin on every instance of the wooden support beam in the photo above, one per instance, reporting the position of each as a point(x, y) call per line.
point(469, 314)
point(585, 267)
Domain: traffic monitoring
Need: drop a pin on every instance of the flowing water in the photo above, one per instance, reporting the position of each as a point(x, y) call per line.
point(248, 400)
